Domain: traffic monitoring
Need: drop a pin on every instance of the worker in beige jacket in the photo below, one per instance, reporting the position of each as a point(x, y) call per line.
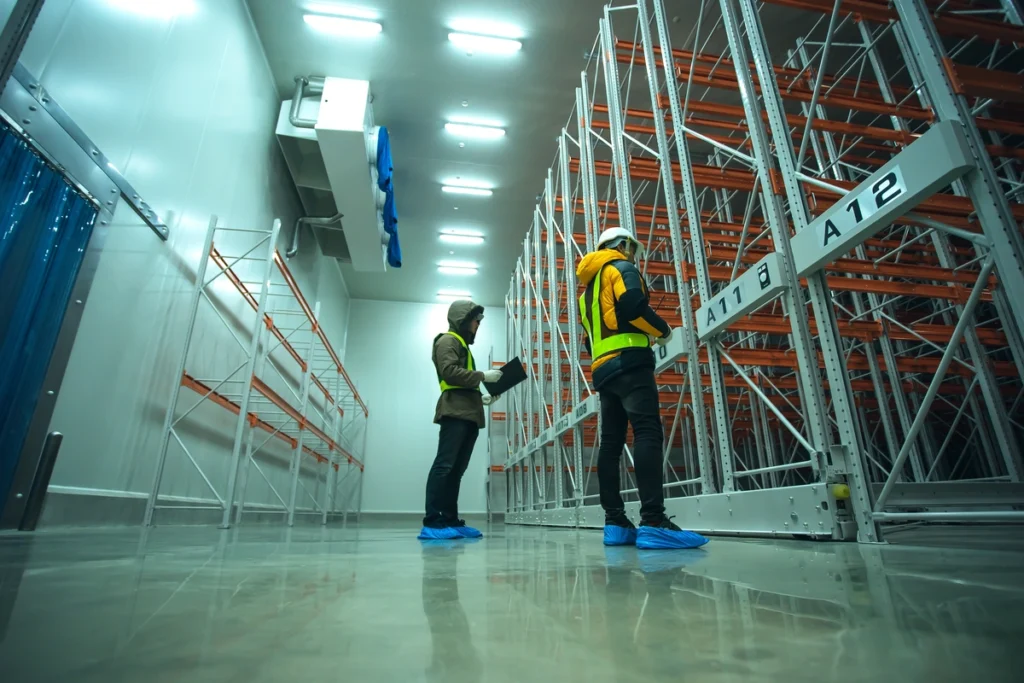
point(460, 414)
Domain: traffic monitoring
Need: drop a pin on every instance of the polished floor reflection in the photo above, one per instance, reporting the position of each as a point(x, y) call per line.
point(371, 603)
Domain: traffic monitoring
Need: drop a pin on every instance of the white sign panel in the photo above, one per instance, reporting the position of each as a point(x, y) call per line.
point(585, 409)
point(751, 290)
point(563, 425)
point(667, 355)
point(933, 161)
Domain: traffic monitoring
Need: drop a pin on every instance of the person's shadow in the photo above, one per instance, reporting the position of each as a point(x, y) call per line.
point(455, 659)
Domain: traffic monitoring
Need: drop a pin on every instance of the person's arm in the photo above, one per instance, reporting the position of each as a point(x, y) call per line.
point(451, 368)
point(632, 304)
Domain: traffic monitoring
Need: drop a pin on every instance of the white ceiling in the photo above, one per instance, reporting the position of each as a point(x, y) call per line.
point(419, 80)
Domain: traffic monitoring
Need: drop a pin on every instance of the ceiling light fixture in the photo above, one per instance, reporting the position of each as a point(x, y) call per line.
point(343, 26)
point(471, 43)
point(457, 268)
point(452, 236)
point(453, 294)
point(473, 191)
point(472, 130)
point(484, 27)
point(460, 186)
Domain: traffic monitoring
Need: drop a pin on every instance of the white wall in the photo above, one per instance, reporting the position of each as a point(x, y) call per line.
point(389, 348)
point(185, 107)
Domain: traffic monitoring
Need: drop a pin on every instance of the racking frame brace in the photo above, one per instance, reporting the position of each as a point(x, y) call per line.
point(326, 423)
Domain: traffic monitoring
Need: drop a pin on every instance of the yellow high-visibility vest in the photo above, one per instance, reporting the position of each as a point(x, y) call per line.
point(593, 324)
point(469, 366)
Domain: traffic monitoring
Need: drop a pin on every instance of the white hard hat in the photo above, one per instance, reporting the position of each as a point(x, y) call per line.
point(613, 234)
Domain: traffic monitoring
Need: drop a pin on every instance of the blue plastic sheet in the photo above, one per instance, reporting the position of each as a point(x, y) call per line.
point(384, 168)
point(385, 182)
point(45, 226)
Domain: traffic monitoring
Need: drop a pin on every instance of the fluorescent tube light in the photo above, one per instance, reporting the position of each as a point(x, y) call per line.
point(485, 27)
point(462, 189)
point(471, 42)
point(470, 130)
point(457, 268)
point(453, 294)
point(343, 26)
point(461, 237)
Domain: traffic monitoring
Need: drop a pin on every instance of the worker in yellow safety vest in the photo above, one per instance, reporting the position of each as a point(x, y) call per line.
point(619, 323)
point(460, 414)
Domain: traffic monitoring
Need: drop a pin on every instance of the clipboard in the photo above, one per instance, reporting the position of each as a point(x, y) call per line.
point(512, 373)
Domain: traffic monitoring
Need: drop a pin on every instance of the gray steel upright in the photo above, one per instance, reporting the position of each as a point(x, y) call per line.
point(620, 160)
point(571, 304)
point(197, 292)
point(993, 209)
point(243, 412)
point(809, 379)
point(724, 435)
point(850, 459)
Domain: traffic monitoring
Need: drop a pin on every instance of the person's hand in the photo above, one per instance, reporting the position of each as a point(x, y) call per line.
point(488, 400)
point(492, 376)
point(661, 341)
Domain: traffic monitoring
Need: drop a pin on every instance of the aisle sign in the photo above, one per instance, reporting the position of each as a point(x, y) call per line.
point(751, 290)
point(933, 161)
point(563, 424)
point(589, 406)
point(666, 356)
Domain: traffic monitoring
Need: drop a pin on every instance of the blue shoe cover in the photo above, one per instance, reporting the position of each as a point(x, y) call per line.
point(469, 532)
point(432, 534)
point(619, 535)
point(656, 538)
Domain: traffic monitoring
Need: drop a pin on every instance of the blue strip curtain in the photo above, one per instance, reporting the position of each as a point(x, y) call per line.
point(45, 226)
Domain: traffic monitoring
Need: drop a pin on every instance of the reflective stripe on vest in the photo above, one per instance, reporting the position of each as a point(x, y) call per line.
point(469, 366)
point(593, 325)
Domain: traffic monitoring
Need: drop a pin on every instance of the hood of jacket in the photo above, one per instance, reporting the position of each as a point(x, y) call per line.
point(591, 264)
point(460, 314)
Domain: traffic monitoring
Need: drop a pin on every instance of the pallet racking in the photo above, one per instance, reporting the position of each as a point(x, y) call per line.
point(289, 387)
point(832, 220)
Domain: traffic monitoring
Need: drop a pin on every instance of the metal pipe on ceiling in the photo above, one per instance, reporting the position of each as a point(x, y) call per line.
point(322, 222)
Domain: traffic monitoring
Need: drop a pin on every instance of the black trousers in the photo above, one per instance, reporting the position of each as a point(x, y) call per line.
point(631, 398)
point(454, 448)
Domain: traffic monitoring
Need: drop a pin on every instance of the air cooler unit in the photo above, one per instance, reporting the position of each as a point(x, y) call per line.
point(333, 165)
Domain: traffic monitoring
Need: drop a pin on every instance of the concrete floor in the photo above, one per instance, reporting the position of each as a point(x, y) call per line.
point(371, 603)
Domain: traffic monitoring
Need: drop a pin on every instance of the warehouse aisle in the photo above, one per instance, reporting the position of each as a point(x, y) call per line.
point(374, 604)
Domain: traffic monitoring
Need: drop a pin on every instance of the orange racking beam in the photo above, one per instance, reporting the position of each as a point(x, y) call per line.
point(195, 385)
point(974, 81)
point(835, 283)
point(957, 26)
point(251, 300)
point(942, 206)
point(784, 358)
point(784, 74)
point(844, 266)
point(922, 253)
point(723, 78)
point(275, 398)
point(294, 287)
